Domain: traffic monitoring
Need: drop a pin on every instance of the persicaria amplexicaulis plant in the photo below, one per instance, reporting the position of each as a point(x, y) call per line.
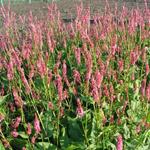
point(75, 85)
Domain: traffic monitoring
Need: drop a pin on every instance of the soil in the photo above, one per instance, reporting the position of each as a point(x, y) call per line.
point(69, 6)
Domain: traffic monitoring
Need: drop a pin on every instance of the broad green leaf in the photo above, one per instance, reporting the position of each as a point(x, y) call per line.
point(18, 143)
point(74, 130)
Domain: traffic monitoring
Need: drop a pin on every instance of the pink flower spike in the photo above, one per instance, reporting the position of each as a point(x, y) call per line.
point(50, 105)
point(16, 123)
point(33, 140)
point(119, 142)
point(147, 69)
point(98, 78)
point(14, 133)
point(148, 92)
point(37, 124)
point(29, 130)
point(64, 69)
point(59, 87)
point(76, 76)
point(79, 111)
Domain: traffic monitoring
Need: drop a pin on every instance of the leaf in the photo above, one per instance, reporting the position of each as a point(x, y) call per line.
point(64, 140)
point(18, 143)
point(113, 147)
point(93, 132)
point(144, 147)
point(148, 117)
point(23, 135)
point(1, 146)
point(3, 99)
point(47, 122)
point(126, 132)
point(45, 146)
point(75, 146)
point(74, 130)
point(72, 147)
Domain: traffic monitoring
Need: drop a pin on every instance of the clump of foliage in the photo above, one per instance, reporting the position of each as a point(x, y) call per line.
point(75, 85)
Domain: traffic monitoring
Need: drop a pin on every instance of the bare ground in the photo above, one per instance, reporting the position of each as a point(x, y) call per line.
point(68, 6)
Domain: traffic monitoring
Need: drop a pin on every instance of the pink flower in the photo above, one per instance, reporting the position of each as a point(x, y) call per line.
point(10, 73)
point(64, 72)
point(29, 130)
point(33, 140)
point(77, 52)
point(143, 86)
point(94, 90)
point(76, 76)
point(134, 55)
point(104, 120)
point(37, 124)
point(31, 73)
point(64, 69)
point(26, 51)
point(50, 75)
point(14, 133)
point(50, 42)
point(138, 128)
point(59, 87)
point(17, 98)
point(120, 65)
point(41, 66)
point(106, 91)
point(50, 105)
point(112, 119)
point(98, 78)
point(79, 111)
point(65, 94)
point(61, 112)
point(148, 92)
point(24, 80)
point(119, 142)
point(147, 69)
point(16, 123)
point(89, 65)
point(24, 148)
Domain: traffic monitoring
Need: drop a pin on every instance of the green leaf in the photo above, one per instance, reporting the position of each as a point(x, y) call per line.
point(18, 143)
point(72, 147)
point(126, 132)
point(74, 130)
point(64, 140)
point(23, 135)
point(1, 146)
point(3, 99)
point(75, 146)
point(45, 146)
point(148, 117)
point(113, 147)
point(144, 147)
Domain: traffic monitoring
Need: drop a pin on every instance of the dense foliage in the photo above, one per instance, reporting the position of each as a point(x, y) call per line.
point(78, 85)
